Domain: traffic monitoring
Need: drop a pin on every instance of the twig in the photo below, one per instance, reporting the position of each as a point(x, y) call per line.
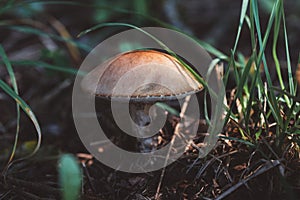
point(87, 174)
point(269, 165)
point(176, 132)
point(214, 158)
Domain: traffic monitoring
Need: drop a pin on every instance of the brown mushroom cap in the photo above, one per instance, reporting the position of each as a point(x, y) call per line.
point(141, 75)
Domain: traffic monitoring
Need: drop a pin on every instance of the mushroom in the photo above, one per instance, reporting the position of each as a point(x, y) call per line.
point(142, 78)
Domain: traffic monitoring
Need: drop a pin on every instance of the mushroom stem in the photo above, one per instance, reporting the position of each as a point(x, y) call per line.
point(140, 115)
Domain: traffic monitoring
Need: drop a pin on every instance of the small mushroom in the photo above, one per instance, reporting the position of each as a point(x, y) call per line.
point(141, 77)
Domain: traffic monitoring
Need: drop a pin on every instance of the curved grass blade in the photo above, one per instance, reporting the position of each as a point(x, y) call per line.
point(203, 44)
point(35, 31)
point(42, 64)
point(151, 36)
point(196, 75)
point(124, 25)
point(30, 114)
point(15, 87)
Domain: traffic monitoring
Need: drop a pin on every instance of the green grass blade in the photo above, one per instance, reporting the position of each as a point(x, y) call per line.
point(274, 48)
point(203, 44)
point(210, 48)
point(252, 89)
point(42, 64)
point(240, 86)
point(125, 25)
point(251, 26)
point(35, 31)
point(235, 69)
point(167, 108)
point(242, 18)
point(196, 75)
point(28, 111)
point(272, 102)
point(288, 59)
point(278, 15)
point(212, 66)
point(262, 42)
point(15, 87)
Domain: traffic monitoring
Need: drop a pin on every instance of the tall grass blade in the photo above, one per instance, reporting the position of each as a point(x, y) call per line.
point(30, 114)
point(288, 59)
point(278, 15)
point(240, 86)
point(252, 90)
point(242, 18)
point(272, 102)
point(211, 68)
point(15, 87)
